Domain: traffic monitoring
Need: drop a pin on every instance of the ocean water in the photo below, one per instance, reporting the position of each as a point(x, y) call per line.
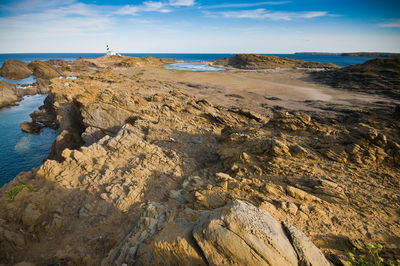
point(20, 151)
point(335, 59)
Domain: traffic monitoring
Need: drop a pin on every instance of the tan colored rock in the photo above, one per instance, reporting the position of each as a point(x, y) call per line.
point(307, 252)
point(43, 70)
point(8, 94)
point(241, 234)
point(301, 194)
point(30, 127)
point(15, 70)
point(31, 215)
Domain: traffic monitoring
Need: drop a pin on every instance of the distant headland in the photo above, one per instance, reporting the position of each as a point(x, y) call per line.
point(363, 54)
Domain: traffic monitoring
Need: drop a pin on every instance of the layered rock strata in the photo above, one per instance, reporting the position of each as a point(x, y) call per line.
point(143, 173)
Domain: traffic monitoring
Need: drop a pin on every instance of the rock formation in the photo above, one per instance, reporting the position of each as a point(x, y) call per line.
point(7, 94)
point(43, 70)
point(143, 173)
point(15, 69)
point(376, 76)
point(255, 61)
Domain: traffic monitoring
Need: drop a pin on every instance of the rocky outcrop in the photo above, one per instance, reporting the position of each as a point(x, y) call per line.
point(15, 69)
point(376, 76)
point(236, 234)
point(143, 173)
point(255, 61)
point(8, 94)
point(43, 70)
point(30, 127)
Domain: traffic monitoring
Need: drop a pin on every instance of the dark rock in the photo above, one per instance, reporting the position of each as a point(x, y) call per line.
point(380, 76)
point(255, 61)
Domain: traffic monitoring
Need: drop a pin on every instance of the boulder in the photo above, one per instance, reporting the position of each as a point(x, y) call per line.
point(43, 70)
point(237, 234)
point(8, 94)
point(15, 69)
point(30, 127)
point(242, 234)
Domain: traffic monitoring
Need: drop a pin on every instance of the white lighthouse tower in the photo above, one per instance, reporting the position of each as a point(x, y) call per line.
point(108, 51)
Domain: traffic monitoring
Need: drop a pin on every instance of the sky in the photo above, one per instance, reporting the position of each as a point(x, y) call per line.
point(199, 26)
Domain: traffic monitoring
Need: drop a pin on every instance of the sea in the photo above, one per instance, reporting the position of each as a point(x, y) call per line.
point(20, 151)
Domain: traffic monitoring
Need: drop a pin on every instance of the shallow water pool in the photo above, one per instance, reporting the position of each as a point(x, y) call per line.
point(198, 67)
point(28, 80)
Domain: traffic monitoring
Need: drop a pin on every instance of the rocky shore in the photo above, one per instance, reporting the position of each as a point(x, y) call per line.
point(146, 171)
point(377, 76)
point(255, 61)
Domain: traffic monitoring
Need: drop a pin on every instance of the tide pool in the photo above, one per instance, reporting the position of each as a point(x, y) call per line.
point(28, 80)
point(20, 151)
point(199, 67)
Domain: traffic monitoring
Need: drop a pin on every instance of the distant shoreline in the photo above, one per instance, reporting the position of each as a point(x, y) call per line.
point(362, 54)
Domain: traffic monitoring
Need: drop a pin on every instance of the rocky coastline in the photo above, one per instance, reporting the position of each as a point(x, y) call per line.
point(255, 61)
point(145, 173)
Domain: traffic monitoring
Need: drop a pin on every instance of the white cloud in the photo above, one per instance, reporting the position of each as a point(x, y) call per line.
point(182, 2)
point(262, 13)
point(393, 24)
point(245, 5)
point(147, 6)
point(128, 10)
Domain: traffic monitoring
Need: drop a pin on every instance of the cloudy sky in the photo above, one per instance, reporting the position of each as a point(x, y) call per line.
point(199, 26)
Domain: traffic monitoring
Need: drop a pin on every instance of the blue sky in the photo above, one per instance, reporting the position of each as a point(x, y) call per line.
point(199, 26)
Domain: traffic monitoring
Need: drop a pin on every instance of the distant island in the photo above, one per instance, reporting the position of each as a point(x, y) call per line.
point(363, 54)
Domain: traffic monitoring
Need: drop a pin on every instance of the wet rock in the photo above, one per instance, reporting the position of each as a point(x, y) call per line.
point(30, 127)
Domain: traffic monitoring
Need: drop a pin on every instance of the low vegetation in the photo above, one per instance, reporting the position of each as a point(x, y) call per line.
point(12, 193)
point(372, 259)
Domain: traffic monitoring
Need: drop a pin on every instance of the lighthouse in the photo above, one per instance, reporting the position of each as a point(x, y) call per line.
point(108, 51)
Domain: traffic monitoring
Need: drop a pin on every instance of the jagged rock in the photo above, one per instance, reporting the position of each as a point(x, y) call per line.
point(298, 151)
point(367, 131)
point(300, 194)
point(307, 252)
point(15, 69)
point(147, 225)
point(127, 142)
point(236, 234)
